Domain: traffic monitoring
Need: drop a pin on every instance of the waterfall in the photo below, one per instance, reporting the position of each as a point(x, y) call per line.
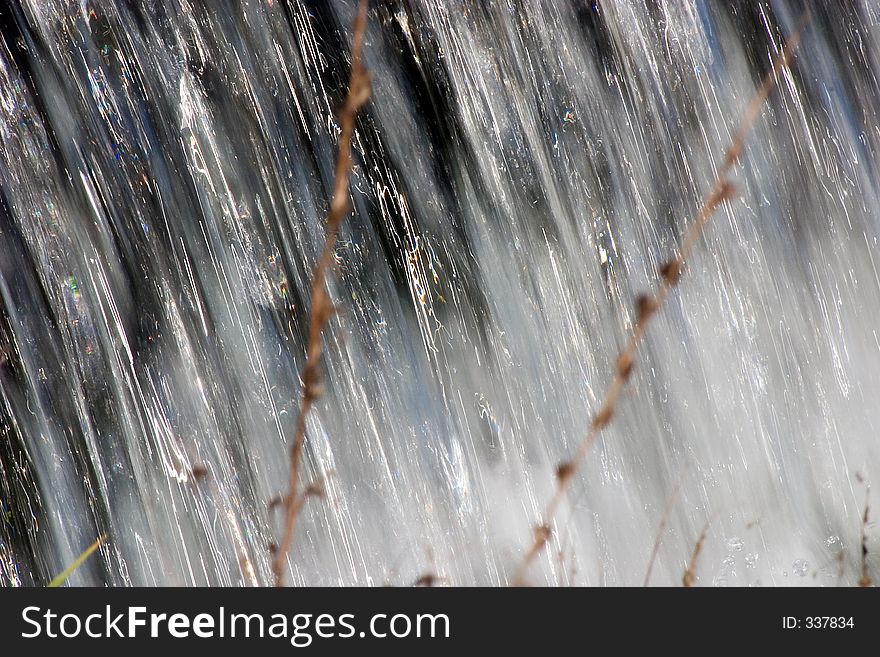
point(522, 169)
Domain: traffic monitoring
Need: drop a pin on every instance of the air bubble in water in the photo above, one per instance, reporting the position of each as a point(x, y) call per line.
point(834, 543)
point(736, 544)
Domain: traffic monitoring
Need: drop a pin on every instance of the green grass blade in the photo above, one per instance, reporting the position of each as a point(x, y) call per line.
point(60, 579)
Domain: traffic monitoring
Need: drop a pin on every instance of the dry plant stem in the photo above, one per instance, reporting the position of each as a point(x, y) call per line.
point(690, 575)
point(722, 190)
point(322, 308)
point(664, 520)
point(865, 579)
point(841, 565)
point(428, 580)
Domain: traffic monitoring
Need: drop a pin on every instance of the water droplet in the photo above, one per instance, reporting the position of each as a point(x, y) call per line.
point(834, 543)
point(736, 544)
point(800, 567)
point(752, 560)
point(728, 563)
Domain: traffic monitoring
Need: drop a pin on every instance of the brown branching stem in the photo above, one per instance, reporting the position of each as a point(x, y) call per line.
point(690, 574)
point(648, 305)
point(322, 307)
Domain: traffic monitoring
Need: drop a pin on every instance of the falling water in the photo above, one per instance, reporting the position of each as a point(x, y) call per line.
point(522, 169)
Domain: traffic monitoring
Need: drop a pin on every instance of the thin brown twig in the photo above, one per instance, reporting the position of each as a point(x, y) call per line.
point(322, 307)
point(664, 520)
point(690, 574)
point(647, 305)
point(865, 579)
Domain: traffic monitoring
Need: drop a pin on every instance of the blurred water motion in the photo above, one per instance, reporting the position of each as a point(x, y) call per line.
point(523, 167)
